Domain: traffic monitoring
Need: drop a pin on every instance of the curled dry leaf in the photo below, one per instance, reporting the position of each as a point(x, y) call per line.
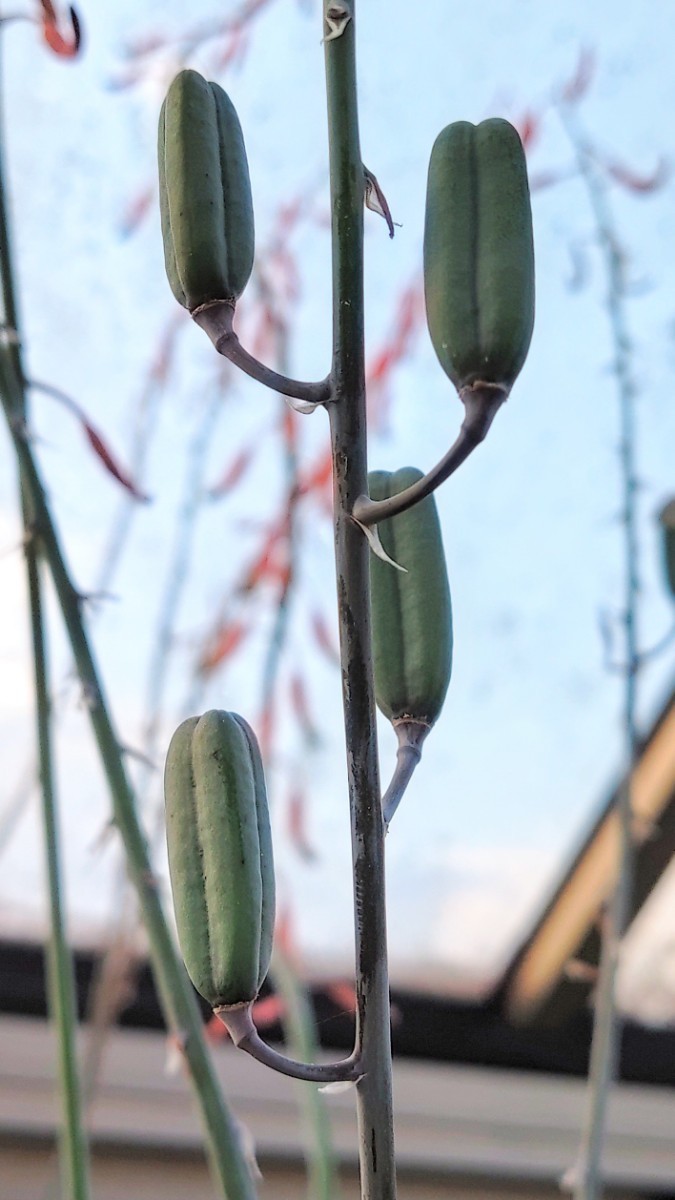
point(98, 445)
point(100, 449)
point(221, 646)
point(376, 200)
point(265, 728)
point(635, 182)
point(579, 83)
point(297, 825)
point(303, 406)
point(335, 1089)
point(234, 51)
point(319, 478)
point(324, 638)
point(337, 17)
point(289, 214)
point(376, 546)
point(272, 567)
point(266, 332)
point(528, 128)
point(66, 46)
point(271, 563)
point(164, 354)
point(300, 706)
point(234, 473)
point(408, 318)
point(289, 428)
point(229, 27)
point(137, 209)
point(283, 267)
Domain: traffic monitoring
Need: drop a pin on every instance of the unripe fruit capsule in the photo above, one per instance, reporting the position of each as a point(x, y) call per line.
point(411, 610)
point(220, 856)
point(205, 194)
point(478, 254)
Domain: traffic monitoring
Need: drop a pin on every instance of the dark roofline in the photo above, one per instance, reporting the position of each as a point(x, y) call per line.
point(426, 1028)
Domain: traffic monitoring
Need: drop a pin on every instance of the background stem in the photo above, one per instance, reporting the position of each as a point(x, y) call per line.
point(73, 1147)
point(298, 1018)
point(178, 999)
point(606, 1041)
point(300, 1034)
point(73, 1150)
point(348, 436)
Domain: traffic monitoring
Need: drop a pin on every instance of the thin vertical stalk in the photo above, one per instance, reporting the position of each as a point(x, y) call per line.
point(73, 1146)
point(298, 1017)
point(172, 595)
point(275, 647)
point(347, 411)
point(606, 1041)
point(178, 1000)
point(119, 960)
point(299, 1029)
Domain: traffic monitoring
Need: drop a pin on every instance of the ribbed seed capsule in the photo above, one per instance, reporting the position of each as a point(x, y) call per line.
point(478, 253)
point(220, 856)
point(412, 615)
point(204, 193)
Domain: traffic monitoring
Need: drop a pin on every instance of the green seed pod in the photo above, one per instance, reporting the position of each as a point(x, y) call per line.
point(204, 194)
point(412, 615)
point(220, 856)
point(478, 253)
point(667, 522)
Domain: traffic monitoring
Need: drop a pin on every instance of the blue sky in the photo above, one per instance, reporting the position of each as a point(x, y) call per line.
point(530, 737)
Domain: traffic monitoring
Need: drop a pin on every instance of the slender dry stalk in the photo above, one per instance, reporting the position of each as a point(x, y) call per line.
point(606, 1041)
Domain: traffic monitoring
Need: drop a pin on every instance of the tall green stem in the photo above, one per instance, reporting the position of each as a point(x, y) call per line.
point(178, 999)
point(347, 410)
point(73, 1147)
point(74, 1151)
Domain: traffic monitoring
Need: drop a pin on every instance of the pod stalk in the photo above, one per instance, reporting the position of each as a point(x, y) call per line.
point(411, 736)
point(238, 1021)
point(481, 402)
point(216, 319)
